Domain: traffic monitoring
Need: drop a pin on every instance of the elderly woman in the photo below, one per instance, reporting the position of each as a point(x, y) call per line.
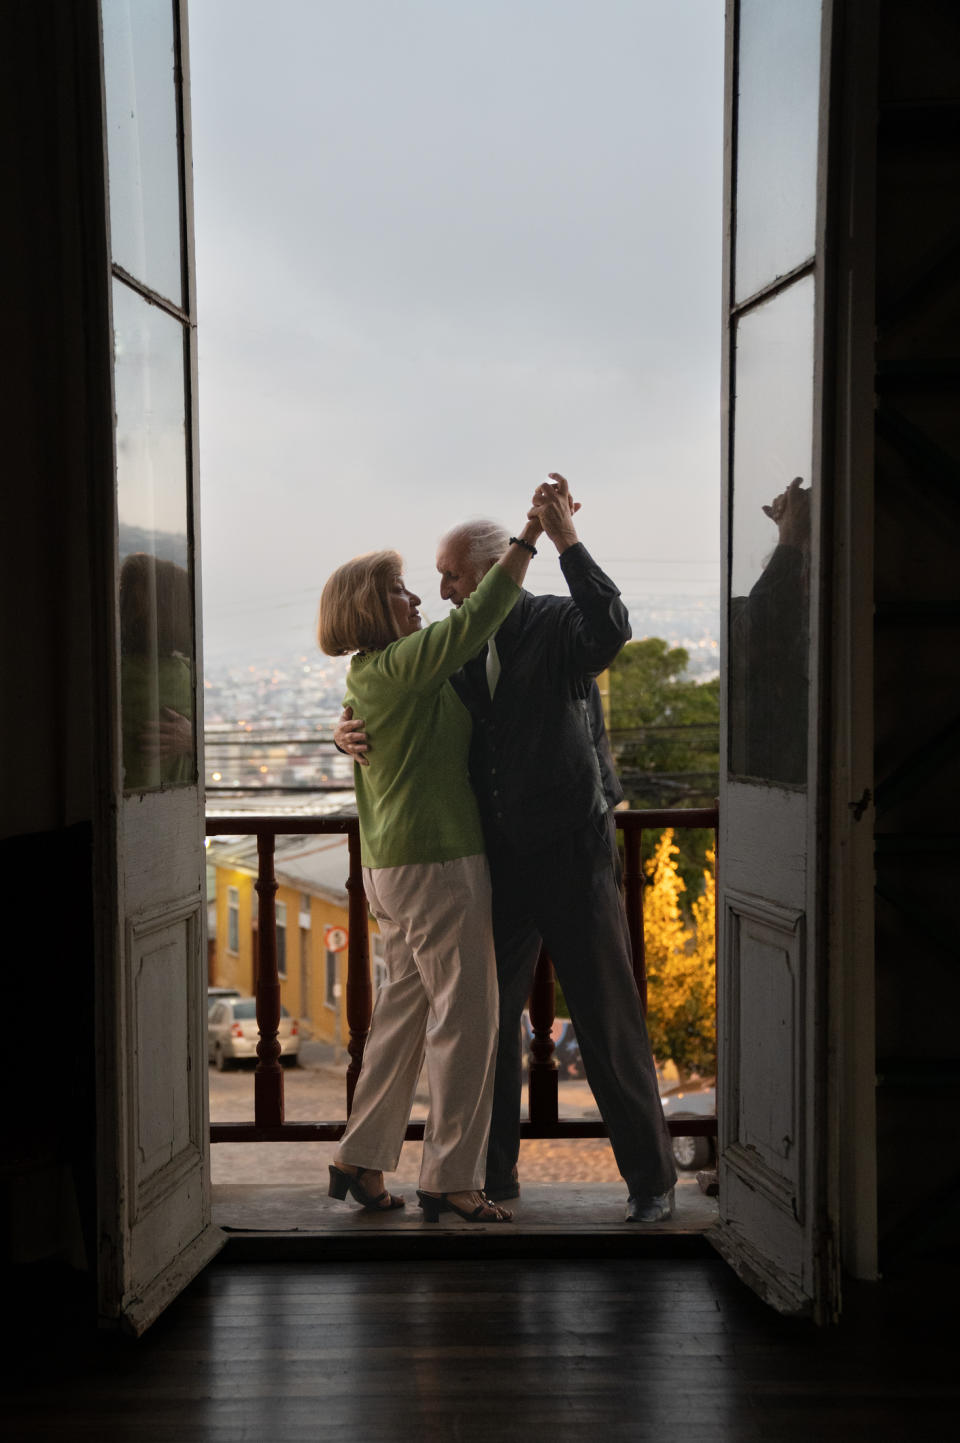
point(426, 880)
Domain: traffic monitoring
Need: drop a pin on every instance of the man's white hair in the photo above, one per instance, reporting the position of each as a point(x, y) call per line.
point(484, 542)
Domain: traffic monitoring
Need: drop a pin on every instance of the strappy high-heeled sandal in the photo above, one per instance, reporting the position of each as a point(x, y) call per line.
point(433, 1206)
point(342, 1183)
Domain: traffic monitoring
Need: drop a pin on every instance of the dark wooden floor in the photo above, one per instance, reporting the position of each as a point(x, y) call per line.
point(495, 1350)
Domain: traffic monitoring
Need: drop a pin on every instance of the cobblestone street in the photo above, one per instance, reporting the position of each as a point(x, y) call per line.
point(316, 1092)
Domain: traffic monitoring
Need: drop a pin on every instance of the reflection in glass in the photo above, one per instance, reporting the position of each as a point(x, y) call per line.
point(142, 142)
point(770, 551)
point(151, 427)
point(777, 114)
point(156, 673)
point(156, 611)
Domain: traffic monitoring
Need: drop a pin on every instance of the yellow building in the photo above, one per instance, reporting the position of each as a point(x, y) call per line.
point(311, 901)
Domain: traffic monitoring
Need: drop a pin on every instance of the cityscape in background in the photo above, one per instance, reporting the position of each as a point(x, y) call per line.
point(269, 720)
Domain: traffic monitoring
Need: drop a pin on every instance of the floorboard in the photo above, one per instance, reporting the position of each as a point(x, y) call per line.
point(493, 1350)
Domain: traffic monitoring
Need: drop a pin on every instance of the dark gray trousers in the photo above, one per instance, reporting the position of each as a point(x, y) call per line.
point(567, 892)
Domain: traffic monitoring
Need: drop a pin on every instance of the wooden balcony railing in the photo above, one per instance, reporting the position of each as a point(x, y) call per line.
point(543, 1120)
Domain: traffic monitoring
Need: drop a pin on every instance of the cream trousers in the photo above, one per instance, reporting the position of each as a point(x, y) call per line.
point(439, 1001)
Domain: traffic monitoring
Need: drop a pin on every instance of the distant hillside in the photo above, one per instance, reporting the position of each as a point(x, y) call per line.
point(692, 622)
point(166, 545)
point(686, 620)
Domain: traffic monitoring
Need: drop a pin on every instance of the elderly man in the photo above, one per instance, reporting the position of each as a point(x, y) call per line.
point(541, 769)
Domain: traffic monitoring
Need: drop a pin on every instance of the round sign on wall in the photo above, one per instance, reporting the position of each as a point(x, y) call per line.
point(335, 938)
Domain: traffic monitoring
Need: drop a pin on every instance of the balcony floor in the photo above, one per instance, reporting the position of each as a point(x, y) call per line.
point(284, 1219)
point(272, 1198)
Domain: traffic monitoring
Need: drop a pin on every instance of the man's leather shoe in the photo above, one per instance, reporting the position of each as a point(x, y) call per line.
point(656, 1209)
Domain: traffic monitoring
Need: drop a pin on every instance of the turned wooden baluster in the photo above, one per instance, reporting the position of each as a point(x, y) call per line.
point(543, 1075)
point(359, 989)
point(268, 1078)
point(633, 883)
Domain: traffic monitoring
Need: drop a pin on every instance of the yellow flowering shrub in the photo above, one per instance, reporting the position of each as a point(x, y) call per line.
point(681, 963)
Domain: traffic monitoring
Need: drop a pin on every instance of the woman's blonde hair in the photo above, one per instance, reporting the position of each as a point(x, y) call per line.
point(156, 607)
point(355, 612)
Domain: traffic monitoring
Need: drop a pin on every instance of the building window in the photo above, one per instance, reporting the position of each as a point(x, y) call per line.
point(379, 965)
point(233, 919)
point(331, 986)
point(282, 939)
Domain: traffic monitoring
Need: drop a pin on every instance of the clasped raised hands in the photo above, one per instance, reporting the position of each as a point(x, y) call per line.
point(554, 508)
point(790, 512)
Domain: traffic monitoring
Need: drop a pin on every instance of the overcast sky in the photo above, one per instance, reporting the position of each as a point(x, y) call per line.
point(444, 247)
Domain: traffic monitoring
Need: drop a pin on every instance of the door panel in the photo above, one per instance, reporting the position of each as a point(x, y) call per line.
point(762, 1136)
point(165, 1120)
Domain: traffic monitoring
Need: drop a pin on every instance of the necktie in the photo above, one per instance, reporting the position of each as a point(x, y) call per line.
point(493, 666)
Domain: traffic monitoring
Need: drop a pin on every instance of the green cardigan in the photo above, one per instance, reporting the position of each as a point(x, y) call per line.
point(414, 799)
point(146, 685)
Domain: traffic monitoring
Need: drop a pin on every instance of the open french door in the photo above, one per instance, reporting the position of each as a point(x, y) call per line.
point(775, 1226)
point(154, 1189)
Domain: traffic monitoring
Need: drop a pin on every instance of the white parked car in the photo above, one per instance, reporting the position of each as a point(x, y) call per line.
point(691, 1154)
point(215, 993)
point(232, 1033)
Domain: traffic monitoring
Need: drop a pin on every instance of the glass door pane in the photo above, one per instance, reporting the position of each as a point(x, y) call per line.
point(156, 607)
point(770, 551)
point(143, 142)
point(777, 110)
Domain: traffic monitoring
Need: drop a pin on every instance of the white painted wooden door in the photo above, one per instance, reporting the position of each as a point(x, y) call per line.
point(154, 1187)
point(772, 1148)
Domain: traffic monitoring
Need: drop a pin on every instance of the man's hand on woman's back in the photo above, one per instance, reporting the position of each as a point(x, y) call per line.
point(349, 737)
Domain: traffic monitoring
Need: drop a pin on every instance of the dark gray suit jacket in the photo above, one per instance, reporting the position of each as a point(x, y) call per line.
point(540, 761)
